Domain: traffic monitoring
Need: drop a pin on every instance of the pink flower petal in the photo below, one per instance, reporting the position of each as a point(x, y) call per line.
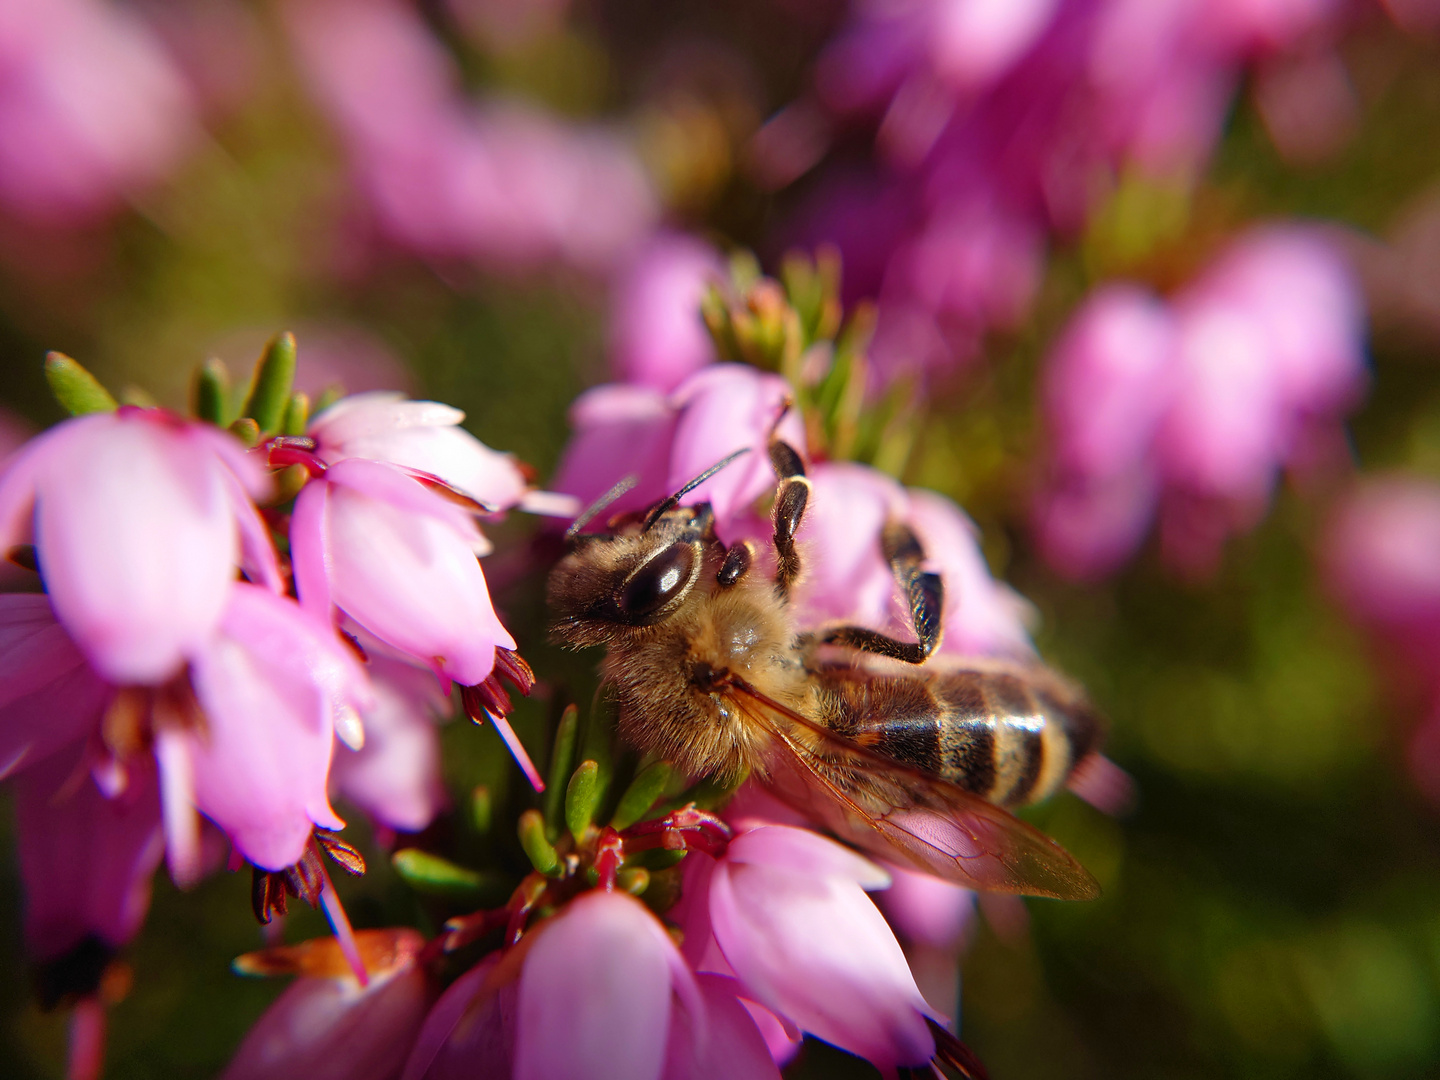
point(595, 993)
point(733, 1049)
point(816, 950)
point(86, 860)
point(49, 697)
point(269, 684)
point(412, 581)
point(470, 1033)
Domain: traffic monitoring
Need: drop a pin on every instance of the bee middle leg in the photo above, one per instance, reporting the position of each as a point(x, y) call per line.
point(924, 596)
point(791, 497)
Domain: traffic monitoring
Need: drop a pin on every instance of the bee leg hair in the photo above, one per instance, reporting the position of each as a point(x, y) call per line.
point(924, 595)
point(791, 497)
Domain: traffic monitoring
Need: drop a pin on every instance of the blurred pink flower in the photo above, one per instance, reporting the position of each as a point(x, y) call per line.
point(140, 520)
point(444, 177)
point(790, 918)
point(400, 560)
point(931, 918)
point(326, 1024)
point(1381, 557)
point(1194, 407)
point(469, 1034)
point(420, 435)
point(91, 110)
point(274, 685)
point(395, 776)
point(657, 335)
point(847, 577)
point(86, 860)
point(667, 441)
point(49, 696)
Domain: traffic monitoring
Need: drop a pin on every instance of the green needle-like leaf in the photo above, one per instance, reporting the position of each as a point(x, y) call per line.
point(560, 757)
point(297, 414)
point(274, 376)
point(582, 796)
point(431, 874)
point(648, 786)
point(541, 852)
point(77, 391)
point(212, 392)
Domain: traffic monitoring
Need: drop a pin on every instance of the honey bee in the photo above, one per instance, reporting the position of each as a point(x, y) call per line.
point(901, 752)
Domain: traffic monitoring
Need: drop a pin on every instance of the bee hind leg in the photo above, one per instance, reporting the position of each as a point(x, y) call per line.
point(791, 497)
point(924, 596)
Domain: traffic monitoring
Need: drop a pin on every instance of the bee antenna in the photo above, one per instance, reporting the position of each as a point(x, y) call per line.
point(674, 500)
point(589, 513)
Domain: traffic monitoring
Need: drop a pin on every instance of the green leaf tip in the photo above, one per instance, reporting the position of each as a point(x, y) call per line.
point(581, 798)
point(78, 392)
point(274, 376)
point(541, 852)
point(561, 754)
point(212, 392)
point(431, 874)
point(297, 414)
point(640, 796)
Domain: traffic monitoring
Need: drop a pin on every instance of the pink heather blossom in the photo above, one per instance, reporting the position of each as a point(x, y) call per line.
point(788, 913)
point(470, 1032)
point(931, 917)
point(395, 776)
point(400, 560)
point(275, 685)
point(140, 520)
point(657, 335)
point(601, 991)
point(420, 435)
point(449, 178)
point(1001, 123)
point(847, 577)
point(91, 109)
point(1382, 559)
point(666, 441)
point(1190, 409)
point(597, 993)
point(86, 860)
point(49, 696)
point(326, 1024)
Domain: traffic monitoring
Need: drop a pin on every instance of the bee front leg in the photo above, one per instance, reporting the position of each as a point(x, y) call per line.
point(924, 596)
point(791, 497)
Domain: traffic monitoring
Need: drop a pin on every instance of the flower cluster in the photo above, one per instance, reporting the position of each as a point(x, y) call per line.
point(779, 940)
point(1187, 409)
point(169, 672)
point(999, 124)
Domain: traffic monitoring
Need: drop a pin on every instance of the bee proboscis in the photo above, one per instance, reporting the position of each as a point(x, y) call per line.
point(907, 754)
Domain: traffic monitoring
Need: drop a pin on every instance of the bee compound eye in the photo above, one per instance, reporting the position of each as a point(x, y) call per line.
point(657, 581)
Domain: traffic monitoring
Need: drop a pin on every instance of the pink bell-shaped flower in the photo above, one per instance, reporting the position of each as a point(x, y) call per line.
point(140, 520)
point(657, 335)
point(790, 915)
point(326, 1023)
point(49, 696)
point(274, 686)
point(666, 441)
point(400, 560)
point(597, 992)
point(395, 776)
point(420, 435)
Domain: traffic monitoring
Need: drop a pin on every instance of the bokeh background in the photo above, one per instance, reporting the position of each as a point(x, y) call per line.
point(451, 197)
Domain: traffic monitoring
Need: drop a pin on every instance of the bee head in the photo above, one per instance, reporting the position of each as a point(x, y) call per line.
point(638, 574)
point(630, 579)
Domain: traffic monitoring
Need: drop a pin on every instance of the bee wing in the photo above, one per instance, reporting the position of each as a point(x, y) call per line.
point(908, 815)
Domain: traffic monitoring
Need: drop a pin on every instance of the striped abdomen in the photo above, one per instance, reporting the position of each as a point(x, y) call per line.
point(1010, 737)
